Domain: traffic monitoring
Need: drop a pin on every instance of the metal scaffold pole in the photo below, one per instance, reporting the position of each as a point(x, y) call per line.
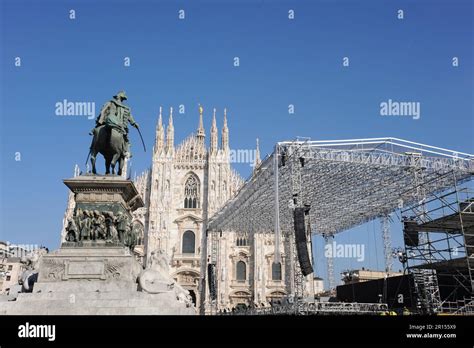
point(387, 243)
point(328, 238)
point(277, 207)
point(296, 188)
point(468, 234)
point(425, 279)
point(213, 272)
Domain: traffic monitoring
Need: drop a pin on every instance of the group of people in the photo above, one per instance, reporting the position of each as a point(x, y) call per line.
point(92, 225)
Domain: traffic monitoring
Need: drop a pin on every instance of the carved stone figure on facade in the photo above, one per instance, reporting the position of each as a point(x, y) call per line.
point(122, 225)
point(30, 275)
point(130, 237)
point(77, 220)
point(159, 262)
point(85, 225)
point(93, 225)
point(100, 231)
point(112, 234)
point(72, 231)
point(182, 295)
point(155, 278)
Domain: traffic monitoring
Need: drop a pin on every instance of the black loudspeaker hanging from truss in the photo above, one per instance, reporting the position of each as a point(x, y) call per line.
point(211, 276)
point(301, 242)
point(410, 233)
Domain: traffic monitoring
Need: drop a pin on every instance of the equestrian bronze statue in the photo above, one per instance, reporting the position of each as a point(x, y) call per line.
point(110, 135)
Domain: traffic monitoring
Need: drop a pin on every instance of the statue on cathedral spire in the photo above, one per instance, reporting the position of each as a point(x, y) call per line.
point(110, 135)
point(200, 132)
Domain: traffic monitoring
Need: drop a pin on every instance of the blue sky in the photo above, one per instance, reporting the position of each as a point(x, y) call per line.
point(190, 61)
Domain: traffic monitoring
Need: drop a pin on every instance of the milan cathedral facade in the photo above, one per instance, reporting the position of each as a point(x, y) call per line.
point(184, 187)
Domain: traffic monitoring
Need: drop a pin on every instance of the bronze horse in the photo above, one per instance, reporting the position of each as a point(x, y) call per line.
point(110, 142)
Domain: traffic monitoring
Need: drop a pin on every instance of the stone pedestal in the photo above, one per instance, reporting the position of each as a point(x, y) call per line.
point(85, 263)
point(93, 281)
point(95, 273)
point(104, 193)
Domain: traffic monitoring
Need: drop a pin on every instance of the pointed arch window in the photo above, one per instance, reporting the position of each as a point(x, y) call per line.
point(242, 242)
point(191, 192)
point(241, 271)
point(189, 242)
point(276, 271)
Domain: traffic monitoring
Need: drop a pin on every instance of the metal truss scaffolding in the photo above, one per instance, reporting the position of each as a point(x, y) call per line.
point(296, 167)
point(387, 243)
point(328, 239)
point(439, 234)
point(213, 271)
point(315, 308)
point(346, 183)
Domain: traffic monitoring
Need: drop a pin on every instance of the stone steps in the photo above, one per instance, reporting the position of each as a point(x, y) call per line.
point(76, 296)
point(93, 281)
point(96, 303)
point(102, 311)
point(84, 286)
point(124, 302)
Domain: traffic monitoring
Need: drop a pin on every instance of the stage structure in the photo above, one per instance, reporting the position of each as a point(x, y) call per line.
point(342, 184)
point(438, 233)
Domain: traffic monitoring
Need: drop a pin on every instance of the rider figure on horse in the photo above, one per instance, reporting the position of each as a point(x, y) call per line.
point(116, 115)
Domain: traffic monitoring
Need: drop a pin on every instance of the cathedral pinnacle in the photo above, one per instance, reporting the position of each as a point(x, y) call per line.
point(200, 132)
point(160, 133)
point(225, 133)
point(170, 123)
point(170, 133)
point(257, 157)
point(214, 134)
point(225, 119)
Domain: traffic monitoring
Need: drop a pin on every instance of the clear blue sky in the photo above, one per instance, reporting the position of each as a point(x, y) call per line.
point(190, 61)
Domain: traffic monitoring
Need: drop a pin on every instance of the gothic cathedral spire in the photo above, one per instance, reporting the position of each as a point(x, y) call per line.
point(214, 134)
point(200, 132)
point(170, 134)
point(160, 134)
point(257, 157)
point(225, 133)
